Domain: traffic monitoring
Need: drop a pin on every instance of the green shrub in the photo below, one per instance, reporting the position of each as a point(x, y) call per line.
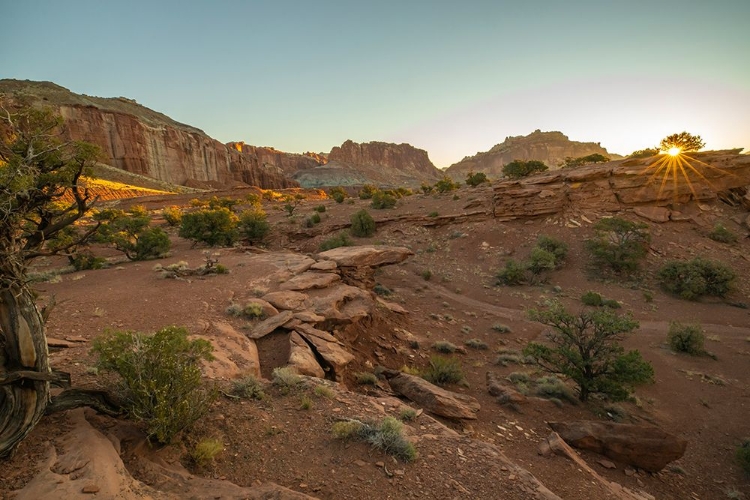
point(305, 403)
point(367, 191)
point(224, 202)
point(552, 387)
point(211, 226)
point(611, 303)
point(688, 338)
point(347, 429)
point(540, 261)
point(340, 240)
point(444, 346)
point(446, 184)
point(172, 214)
point(382, 290)
point(644, 153)
point(722, 234)
point(206, 450)
point(476, 344)
point(743, 455)
point(433, 214)
point(338, 194)
point(570, 162)
point(513, 274)
point(426, 275)
point(381, 200)
point(84, 260)
point(320, 209)
point(519, 168)
point(426, 188)
point(248, 387)
point(366, 378)
point(386, 436)
point(363, 225)
point(407, 414)
point(315, 218)
point(618, 244)
point(506, 357)
point(152, 243)
point(253, 225)
point(475, 179)
point(285, 378)
point(323, 391)
point(161, 377)
point(500, 328)
point(694, 279)
point(556, 247)
point(443, 371)
point(130, 233)
point(519, 378)
point(592, 299)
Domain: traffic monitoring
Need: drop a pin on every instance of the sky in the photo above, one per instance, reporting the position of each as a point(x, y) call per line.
point(451, 77)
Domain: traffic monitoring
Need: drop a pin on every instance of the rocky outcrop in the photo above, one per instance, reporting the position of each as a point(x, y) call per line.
point(142, 141)
point(623, 184)
point(285, 163)
point(645, 447)
point(549, 147)
point(380, 163)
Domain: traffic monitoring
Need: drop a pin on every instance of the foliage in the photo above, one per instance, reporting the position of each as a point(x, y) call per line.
point(618, 244)
point(592, 299)
point(285, 378)
point(513, 274)
point(253, 225)
point(558, 248)
point(172, 214)
point(340, 240)
point(248, 387)
point(519, 168)
point(687, 338)
point(407, 414)
point(722, 234)
point(540, 261)
point(130, 233)
point(161, 377)
point(84, 260)
point(426, 188)
point(381, 200)
point(363, 225)
point(444, 346)
point(206, 450)
point(586, 349)
point(547, 255)
point(366, 378)
point(291, 202)
point(338, 194)
point(683, 140)
point(644, 153)
point(443, 371)
point(386, 436)
point(367, 191)
point(475, 179)
point(446, 184)
point(569, 162)
point(211, 226)
point(500, 328)
point(224, 202)
point(743, 455)
point(320, 209)
point(476, 344)
point(694, 279)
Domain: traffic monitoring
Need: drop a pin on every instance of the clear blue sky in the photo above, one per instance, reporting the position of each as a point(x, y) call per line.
point(451, 77)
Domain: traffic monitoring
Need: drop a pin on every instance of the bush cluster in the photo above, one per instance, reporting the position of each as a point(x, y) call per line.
point(386, 436)
point(618, 244)
point(594, 299)
point(131, 233)
point(547, 255)
point(694, 279)
point(722, 234)
point(519, 168)
point(338, 193)
point(475, 179)
point(363, 225)
point(339, 240)
point(443, 371)
point(687, 338)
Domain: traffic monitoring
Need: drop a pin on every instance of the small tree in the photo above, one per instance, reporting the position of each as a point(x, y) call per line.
point(426, 188)
point(367, 191)
point(445, 185)
point(213, 227)
point(253, 225)
point(519, 168)
point(684, 141)
point(382, 199)
point(644, 153)
point(475, 179)
point(569, 162)
point(292, 202)
point(130, 233)
point(586, 349)
point(619, 244)
point(363, 224)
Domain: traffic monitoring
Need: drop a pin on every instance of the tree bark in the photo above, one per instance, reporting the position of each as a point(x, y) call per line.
point(23, 348)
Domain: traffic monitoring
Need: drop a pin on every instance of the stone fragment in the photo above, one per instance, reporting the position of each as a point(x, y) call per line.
point(392, 306)
point(343, 303)
point(308, 317)
point(645, 447)
point(324, 265)
point(327, 347)
point(269, 325)
point(366, 255)
point(308, 280)
point(433, 398)
point(302, 358)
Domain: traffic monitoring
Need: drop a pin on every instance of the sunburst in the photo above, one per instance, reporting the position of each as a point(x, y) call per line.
point(676, 168)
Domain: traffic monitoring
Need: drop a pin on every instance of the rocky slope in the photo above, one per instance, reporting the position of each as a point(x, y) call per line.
point(549, 147)
point(378, 163)
point(142, 141)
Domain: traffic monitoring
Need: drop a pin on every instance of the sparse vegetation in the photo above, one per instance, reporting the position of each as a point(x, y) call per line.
point(407, 414)
point(386, 436)
point(586, 349)
point(644, 153)
point(161, 377)
point(285, 378)
point(443, 371)
point(694, 279)
point(444, 347)
point(519, 168)
point(363, 225)
point(743, 455)
point(130, 233)
point(446, 185)
point(476, 344)
point(618, 244)
point(594, 299)
point(546, 256)
point(569, 162)
point(367, 191)
point(320, 209)
point(688, 338)
point(475, 179)
point(305, 403)
point(500, 328)
point(340, 240)
point(338, 194)
point(366, 378)
point(172, 214)
point(722, 234)
point(206, 451)
point(248, 387)
point(253, 225)
point(323, 391)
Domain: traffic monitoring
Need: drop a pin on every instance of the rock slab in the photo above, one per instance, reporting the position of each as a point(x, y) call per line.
point(432, 398)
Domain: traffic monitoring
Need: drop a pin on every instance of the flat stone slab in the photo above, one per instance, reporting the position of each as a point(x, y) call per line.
point(324, 265)
point(366, 255)
point(287, 300)
point(308, 280)
point(327, 347)
point(433, 398)
point(302, 358)
point(269, 325)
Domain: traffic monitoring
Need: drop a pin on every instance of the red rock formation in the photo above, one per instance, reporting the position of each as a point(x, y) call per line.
point(285, 163)
point(142, 141)
point(549, 147)
point(623, 184)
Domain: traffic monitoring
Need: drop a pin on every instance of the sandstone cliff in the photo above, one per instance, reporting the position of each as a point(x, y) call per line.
point(549, 147)
point(378, 163)
point(629, 183)
point(142, 141)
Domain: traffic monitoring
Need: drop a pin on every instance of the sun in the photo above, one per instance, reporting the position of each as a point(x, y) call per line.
point(674, 151)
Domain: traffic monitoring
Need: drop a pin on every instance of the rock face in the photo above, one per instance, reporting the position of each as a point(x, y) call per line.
point(648, 448)
point(142, 141)
point(549, 147)
point(622, 184)
point(285, 163)
point(380, 163)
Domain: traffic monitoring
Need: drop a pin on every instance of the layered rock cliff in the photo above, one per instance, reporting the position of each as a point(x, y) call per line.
point(142, 141)
point(378, 163)
point(549, 147)
point(629, 183)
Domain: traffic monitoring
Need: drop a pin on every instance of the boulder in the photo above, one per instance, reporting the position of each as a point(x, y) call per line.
point(366, 255)
point(308, 280)
point(343, 303)
point(269, 325)
point(645, 447)
point(302, 358)
point(327, 347)
point(432, 398)
point(234, 354)
point(288, 300)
